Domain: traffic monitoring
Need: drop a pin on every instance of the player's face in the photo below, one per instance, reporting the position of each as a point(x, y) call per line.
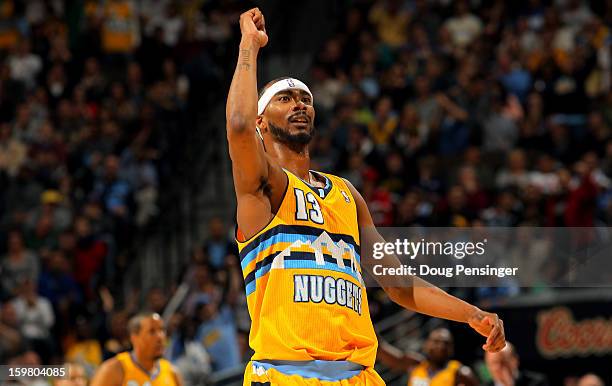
point(152, 337)
point(290, 117)
point(439, 346)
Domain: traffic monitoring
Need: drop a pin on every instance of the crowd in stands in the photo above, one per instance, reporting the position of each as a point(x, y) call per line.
point(92, 96)
point(442, 113)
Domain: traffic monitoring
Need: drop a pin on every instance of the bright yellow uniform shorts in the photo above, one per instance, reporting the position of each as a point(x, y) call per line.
point(310, 373)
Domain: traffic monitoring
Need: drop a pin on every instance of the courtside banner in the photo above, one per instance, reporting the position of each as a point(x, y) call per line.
point(477, 257)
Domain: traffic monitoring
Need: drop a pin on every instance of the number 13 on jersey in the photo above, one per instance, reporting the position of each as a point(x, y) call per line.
point(307, 207)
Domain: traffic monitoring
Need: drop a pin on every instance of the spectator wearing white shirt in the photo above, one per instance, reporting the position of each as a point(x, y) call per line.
point(36, 318)
point(24, 64)
point(464, 26)
point(545, 178)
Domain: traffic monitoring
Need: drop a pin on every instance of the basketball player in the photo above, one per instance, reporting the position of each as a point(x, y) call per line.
point(439, 369)
point(436, 369)
point(144, 365)
point(298, 235)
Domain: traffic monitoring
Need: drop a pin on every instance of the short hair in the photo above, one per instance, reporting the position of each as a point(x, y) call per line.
point(270, 83)
point(135, 321)
point(441, 329)
point(590, 379)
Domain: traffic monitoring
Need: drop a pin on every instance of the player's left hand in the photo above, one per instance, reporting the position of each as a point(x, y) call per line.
point(490, 326)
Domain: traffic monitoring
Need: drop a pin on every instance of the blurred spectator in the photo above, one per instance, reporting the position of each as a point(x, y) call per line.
point(89, 255)
point(515, 175)
point(590, 380)
point(383, 127)
point(217, 332)
point(57, 283)
point(202, 283)
point(218, 247)
point(464, 26)
point(13, 151)
point(186, 353)
point(156, 300)
point(453, 211)
point(29, 358)
point(77, 376)
point(112, 190)
point(82, 347)
point(500, 129)
point(120, 27)
point(391, 21)
point(11, 338)
point(505, 370)
point(36, 317)
point(118, 339)
point(24, 64)
point(18, 265)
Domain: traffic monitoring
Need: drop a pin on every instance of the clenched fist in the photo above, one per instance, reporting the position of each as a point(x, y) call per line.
point(490, 326)
point(253, 26)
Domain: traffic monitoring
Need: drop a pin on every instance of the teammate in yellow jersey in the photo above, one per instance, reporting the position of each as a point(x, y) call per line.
point(299, 235)
point(144, 365)
point(436, 369)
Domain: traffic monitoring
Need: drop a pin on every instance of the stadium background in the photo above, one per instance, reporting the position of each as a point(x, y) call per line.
point(115, 186)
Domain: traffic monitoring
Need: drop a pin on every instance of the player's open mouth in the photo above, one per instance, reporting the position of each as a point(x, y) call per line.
point(299, 119)
point(300, 125)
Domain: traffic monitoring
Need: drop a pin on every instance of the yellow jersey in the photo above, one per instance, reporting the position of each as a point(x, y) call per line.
point(134, 375)
point(305, 293)
point(421, 376)
point(119, 31)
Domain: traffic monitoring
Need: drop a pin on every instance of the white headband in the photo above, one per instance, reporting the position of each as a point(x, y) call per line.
point(281, 85)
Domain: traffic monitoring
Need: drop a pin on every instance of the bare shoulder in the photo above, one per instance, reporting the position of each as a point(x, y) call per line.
point(176, 375)
point(353, 190)
point(110, 373)
point(363, 213)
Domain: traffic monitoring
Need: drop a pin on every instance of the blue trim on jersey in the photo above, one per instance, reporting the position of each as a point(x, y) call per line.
point(250, 287)
point(288, 238)
point(326, 189)
point(307, 261)
point(153, 374)
point(299, 260)
point(294, 229)
point(319, 369)
point(290, 233)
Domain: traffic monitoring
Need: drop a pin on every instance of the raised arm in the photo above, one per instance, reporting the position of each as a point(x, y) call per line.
point(426, 298)
point(259, 182)
point(249, 164)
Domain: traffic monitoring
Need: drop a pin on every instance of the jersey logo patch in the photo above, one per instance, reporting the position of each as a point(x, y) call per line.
point(346, 197)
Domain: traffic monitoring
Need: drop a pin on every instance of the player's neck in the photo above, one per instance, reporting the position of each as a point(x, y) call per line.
point(296, 161)
point(436, 366)
point(146, 364)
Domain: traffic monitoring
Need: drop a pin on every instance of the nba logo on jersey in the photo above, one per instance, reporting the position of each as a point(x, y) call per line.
point(420, 382)
point(346, 197)
point(134, 383)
